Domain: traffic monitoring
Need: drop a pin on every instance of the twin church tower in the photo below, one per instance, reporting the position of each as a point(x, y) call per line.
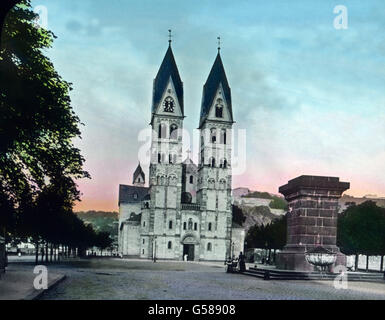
point(186, 210)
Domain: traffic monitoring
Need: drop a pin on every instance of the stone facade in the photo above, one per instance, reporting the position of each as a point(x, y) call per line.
point(312, 219)
point(186, 211)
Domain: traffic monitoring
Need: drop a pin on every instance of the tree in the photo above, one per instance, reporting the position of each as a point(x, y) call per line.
point(38, 160)
point(361, 230)
point(278, 203)
point(238, 216)
point(271, 236)
point(5, 6)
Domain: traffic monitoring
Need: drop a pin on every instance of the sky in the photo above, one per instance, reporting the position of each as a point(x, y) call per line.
point(309, 96)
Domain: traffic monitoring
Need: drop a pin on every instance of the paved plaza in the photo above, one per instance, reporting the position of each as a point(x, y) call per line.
point(136, 279)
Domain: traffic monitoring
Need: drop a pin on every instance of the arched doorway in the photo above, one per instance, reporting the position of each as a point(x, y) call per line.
point(189, 243)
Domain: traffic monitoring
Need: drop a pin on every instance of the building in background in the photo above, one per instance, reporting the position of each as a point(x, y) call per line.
point(186, 211)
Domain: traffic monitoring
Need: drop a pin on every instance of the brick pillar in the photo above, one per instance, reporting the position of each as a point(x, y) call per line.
point(311, 220)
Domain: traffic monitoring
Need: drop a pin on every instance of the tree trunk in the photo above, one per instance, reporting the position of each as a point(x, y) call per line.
point(36, 253)
point(356, 263)
point(382, 263)
point(367, 263)
point(51, 253)
point(46, 252)
point(274, 255)
point(55, 252)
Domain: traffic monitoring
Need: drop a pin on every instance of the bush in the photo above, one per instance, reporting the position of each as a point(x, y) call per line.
point(278, 203)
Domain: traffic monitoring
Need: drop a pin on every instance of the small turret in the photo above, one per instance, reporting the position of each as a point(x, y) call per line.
point(139, 178)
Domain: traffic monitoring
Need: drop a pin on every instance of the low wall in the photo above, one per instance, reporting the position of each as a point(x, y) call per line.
point(254, 202)
point(278, 212)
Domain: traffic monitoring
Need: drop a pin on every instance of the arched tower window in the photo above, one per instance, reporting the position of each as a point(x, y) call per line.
point(219, 108)
point(184, 225)
point(213, 135)
point(159, 158)
point(212, 162)
point(174, 132)
point(162, 131)
point(191, 179)
point(210, 226)
point(209, 246)
point(223, 164)
point(169, 245)
point(170, 224)
point(190, 224)
point(172, 158)
point(195, 226)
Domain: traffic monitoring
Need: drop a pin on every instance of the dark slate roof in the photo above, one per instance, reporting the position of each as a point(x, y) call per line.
point(138, 172)
point(217, 75)
point(167, 69)
point(126, 193)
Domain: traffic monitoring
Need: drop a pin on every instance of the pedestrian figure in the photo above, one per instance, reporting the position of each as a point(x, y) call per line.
point(241, 261)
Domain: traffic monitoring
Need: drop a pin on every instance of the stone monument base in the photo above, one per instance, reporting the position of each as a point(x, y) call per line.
point(293, 258)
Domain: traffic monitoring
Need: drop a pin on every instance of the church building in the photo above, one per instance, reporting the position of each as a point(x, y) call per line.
point(186, 210)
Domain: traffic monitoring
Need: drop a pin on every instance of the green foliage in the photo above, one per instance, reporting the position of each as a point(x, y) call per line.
point(101, 221)
point(278, 203)
point(269, 236)
point(238, 216)
point(361, 229)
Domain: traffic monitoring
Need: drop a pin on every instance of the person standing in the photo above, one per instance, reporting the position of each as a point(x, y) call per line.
point(241, 261)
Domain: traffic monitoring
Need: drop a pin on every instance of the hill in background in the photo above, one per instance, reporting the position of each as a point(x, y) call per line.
point(102, 221)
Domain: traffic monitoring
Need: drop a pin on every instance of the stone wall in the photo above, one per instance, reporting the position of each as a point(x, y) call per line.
point(131, 238)
point(254, 202)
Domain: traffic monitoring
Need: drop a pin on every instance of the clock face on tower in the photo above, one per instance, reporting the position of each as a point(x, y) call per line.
point(169, 104)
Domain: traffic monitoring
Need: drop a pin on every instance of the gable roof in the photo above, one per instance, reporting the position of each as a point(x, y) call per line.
point(127, 193)
point(167, 69)
point(217, 76)
point(188, 161)
point(138, 172)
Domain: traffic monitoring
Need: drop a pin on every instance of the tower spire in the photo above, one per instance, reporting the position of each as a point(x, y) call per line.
point(169, 37)
point(219, 44)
